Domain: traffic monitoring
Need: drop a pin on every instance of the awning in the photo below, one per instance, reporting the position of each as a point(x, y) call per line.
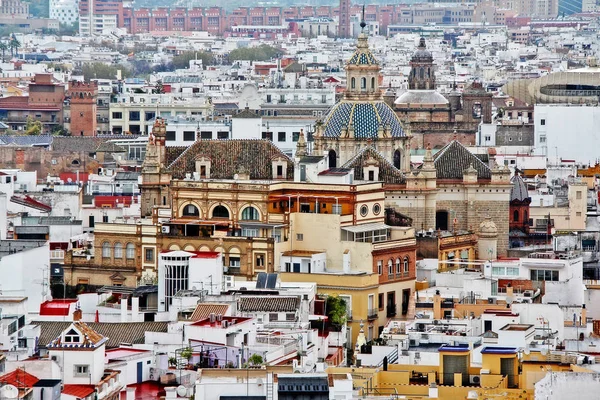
point(261, 225)
point(366, 227)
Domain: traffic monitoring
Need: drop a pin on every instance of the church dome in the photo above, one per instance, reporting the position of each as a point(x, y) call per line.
point(422, 54)
point(421, 97)
point(488, 228)
point(365, 117)
point(518, 191)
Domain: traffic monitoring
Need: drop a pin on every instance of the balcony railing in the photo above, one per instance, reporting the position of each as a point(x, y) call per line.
point(372, 313)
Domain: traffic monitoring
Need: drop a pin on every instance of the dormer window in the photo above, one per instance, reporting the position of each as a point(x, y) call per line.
point(203, 167)
point(72, 337)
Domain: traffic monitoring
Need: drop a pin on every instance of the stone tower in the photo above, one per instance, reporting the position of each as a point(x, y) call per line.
point(344, 19)
point(487, 245)
point(422, 70)
point(83, 108)
point(155, 177)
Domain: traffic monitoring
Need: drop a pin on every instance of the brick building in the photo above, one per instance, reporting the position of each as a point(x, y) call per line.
point(82, 107)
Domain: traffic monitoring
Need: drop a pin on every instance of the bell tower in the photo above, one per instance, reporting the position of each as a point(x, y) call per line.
point(83, 108)
point(156, 179)
point(422, 70)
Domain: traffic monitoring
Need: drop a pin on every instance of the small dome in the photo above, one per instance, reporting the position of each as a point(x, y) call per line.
point(422, 54)
point(488, 228)
point(421, 97)
point(518, 191)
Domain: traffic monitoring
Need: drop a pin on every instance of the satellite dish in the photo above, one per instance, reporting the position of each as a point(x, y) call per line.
point(181, 391)
point(9, 392)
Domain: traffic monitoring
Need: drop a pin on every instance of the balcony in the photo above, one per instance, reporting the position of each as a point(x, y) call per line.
point(391, 310)
point(372, 314)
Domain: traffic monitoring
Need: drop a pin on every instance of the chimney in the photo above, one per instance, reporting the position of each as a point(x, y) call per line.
point(77, 315)
point(212, 317)
point(124, 309)
point(130, 393)
point(219, 317)
point(437, 305)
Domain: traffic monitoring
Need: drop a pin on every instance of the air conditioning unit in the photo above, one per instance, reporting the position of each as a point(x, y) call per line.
point(474, 379)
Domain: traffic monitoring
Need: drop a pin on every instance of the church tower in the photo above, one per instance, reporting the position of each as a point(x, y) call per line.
point(83, 108)
point(155, 178)
point(422, 70)
point(344, 19)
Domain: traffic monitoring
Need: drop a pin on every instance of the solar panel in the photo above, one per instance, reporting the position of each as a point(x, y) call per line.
point(261, 280)
point(271, 281)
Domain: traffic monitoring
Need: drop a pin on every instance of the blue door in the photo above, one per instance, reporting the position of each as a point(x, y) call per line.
point(140, 372)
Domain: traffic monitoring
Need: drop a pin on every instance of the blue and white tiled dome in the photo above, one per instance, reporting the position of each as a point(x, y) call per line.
point(366, 118)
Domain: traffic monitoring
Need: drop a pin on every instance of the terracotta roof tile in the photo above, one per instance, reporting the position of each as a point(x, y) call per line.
point(387, 172)
point(452, 160)
point(203, 310)
point(231, 156)
point(269, 303)
point(79, 391)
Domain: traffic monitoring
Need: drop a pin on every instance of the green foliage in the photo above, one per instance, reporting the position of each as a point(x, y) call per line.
point(186, 353)
point(336, 310)
point(3, 49)
point(159, 88)
point(183, 60)
point(103, 71)
point(261, 53)
point(255, 359)
point(33, 127)
point(172, 361)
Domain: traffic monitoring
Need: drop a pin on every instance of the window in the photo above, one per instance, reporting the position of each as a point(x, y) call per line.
point(406, 265)
point(390, 268)
point(72, 337)
point(81, 370)
point(516, 216)
point(273, 317)
point(189, 136)
point(249, 232)
point(222, 135)
point(542, 122)
point(250, 214)
point(398, 266)
point(149, 115)
point(544, 275)
point(191, 211)
point(295, 136)
point(380, 300)
point(134, 115)
point(578, 195)
point(170, 136)
point(130, 251)
point(267, 136)
point(106, 250)
point(281, 136)
point(364, 210)
point(288, 267)
point(380, 267)
point(117, 115)
point(149, 255)
point(336, 209)
point(542, 139)
point(299, 236)
point(578, 214)
point(260, 260)
point(206, 135)
point(118, 250)
point(220, 212)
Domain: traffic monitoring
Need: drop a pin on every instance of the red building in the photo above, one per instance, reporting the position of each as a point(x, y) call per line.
point(83, 108)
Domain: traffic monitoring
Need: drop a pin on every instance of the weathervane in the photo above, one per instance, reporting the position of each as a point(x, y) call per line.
point(362, 22)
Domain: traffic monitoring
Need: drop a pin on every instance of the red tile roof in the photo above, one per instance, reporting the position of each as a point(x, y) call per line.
point(78, 391)
point(19, 378)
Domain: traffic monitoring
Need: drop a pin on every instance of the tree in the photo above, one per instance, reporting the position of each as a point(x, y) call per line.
point(336, 311)
point(102, 71)
point(14, 45)
point(159, 88)
point(33, 127)
point(3, 48)
point(183, 60)
point(255, 359)
point(260, 53)
point(186, 353)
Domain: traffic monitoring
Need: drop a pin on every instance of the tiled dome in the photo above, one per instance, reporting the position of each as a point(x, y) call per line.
point(366, 117)
point(362, 55)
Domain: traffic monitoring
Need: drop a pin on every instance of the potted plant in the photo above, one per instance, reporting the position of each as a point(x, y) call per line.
point(172, 362)
point(255, 360)
point(186, 354)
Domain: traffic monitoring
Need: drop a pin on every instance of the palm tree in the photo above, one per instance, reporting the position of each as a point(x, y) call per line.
point(3, 48)
point(14, 45)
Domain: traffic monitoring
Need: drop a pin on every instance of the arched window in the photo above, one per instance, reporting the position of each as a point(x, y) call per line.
point(398, 266)
point(250, 214)
point(363, 83)
point(525, 217)
point(422, 72)
point(516, 216)
point(397, 159)
point(332, 159)
point(390, 268)
point(373, 83)
point(220, 212)
point(105, 250)
point(191, 211)
point(118, 250)
point(406, 265)
point(130, 251)
point(353, 83)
